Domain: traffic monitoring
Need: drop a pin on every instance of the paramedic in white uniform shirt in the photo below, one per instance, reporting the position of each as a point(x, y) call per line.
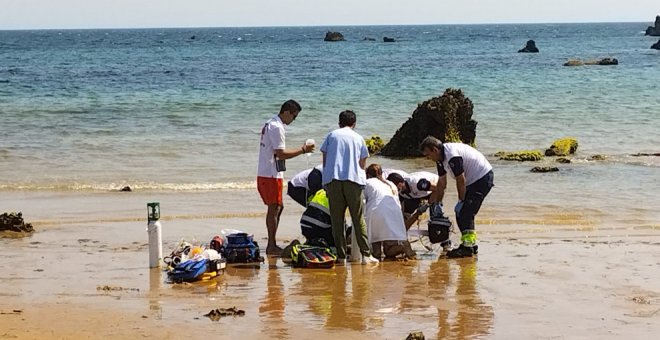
point(474, 179)
point(413, 188)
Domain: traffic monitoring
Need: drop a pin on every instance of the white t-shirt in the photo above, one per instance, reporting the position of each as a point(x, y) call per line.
point(412, 180)
point(388, 172)
point(475, 164)
point(301, 179)
point(272, 138)
point(383, 212)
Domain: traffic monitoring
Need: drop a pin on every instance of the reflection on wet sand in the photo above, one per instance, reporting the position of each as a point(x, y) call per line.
point(392, 298)
point(272, 306)
point(466, 316)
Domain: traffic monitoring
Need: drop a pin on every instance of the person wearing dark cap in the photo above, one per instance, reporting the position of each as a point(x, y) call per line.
point(305, 184)
point(474, 179)
point(413, 188)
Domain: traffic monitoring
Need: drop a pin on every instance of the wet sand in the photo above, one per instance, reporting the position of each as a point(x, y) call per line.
point(552, 280)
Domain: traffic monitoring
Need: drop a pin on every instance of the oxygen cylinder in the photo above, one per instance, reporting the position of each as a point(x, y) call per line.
point(154, 230)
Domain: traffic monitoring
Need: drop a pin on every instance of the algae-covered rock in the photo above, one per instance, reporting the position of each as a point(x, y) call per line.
point(520, 156)
point(447, 117)
point(597, 158)
point(562, 147)
point(14, 222)
point(374, 144)
point(542, 169)
point(563, 160)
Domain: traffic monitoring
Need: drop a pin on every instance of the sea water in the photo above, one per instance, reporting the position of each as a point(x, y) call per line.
point(170, 110)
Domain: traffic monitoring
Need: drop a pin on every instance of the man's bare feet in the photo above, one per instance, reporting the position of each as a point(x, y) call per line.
point(273, 251)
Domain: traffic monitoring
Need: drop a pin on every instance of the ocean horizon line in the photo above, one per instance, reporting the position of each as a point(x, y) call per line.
point(327, 26)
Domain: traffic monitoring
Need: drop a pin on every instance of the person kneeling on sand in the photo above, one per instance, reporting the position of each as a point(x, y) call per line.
point(315, 222)
point(305, 184)
point(385, 225)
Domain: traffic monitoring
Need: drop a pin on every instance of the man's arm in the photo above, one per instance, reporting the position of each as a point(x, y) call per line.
point(288, 153)
point(460, 187)
point(363, 163)
point(439, 190)
point(323, 161)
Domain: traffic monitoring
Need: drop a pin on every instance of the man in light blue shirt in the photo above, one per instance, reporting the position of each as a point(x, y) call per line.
point(344, 159)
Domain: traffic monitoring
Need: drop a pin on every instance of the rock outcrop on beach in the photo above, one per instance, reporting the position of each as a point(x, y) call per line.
point(604, 61)
point(386, 39)
point(333, 36)
point(562, 147)
point(654, 30)
point(447, 117)
point(520, 156)
point(656, 46)
point(14, 222)
point(529, 48)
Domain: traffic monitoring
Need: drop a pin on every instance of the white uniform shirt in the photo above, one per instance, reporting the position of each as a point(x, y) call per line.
point(414, 178)
point(301, 179)
point(475, 164)
point(383, 212)
point(388, 172)
point(272, 138)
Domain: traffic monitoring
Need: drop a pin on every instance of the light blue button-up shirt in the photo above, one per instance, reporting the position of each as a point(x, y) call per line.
point(343, 149)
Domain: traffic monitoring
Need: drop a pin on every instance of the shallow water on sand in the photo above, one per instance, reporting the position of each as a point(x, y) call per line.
point(525, 284)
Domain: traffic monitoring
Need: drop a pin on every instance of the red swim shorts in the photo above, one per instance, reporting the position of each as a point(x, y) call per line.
point(270, 190)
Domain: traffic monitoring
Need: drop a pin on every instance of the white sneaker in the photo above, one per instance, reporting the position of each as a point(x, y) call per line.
point(369, 259)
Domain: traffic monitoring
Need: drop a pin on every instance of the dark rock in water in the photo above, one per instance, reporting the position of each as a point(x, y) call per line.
point(126, 189)
point(14, 222)
point(608, 61)
point(542, 169)
point(656, 46)
point(529, 48)
point(333, 36)
point(193, 37)
point(369, 39)
point(646, 154)
point(563, 160)
point(597, 158)
point(386, 39)
point(448, 118)
point(654, 31)
point(415, 336)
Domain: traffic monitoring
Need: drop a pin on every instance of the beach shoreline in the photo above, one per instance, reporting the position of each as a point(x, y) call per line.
point(529, 281)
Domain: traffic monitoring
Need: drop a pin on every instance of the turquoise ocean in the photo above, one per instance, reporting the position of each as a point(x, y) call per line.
point(180, 110)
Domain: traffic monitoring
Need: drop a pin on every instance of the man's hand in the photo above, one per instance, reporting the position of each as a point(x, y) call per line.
point(458, 207)
point(422, 208)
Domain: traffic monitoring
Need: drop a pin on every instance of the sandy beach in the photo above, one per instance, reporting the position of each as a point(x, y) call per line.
point(567, 280)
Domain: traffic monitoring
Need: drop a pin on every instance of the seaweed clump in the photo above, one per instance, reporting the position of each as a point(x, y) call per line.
point(374, 144)
point(520, 156)
point(562, 147)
